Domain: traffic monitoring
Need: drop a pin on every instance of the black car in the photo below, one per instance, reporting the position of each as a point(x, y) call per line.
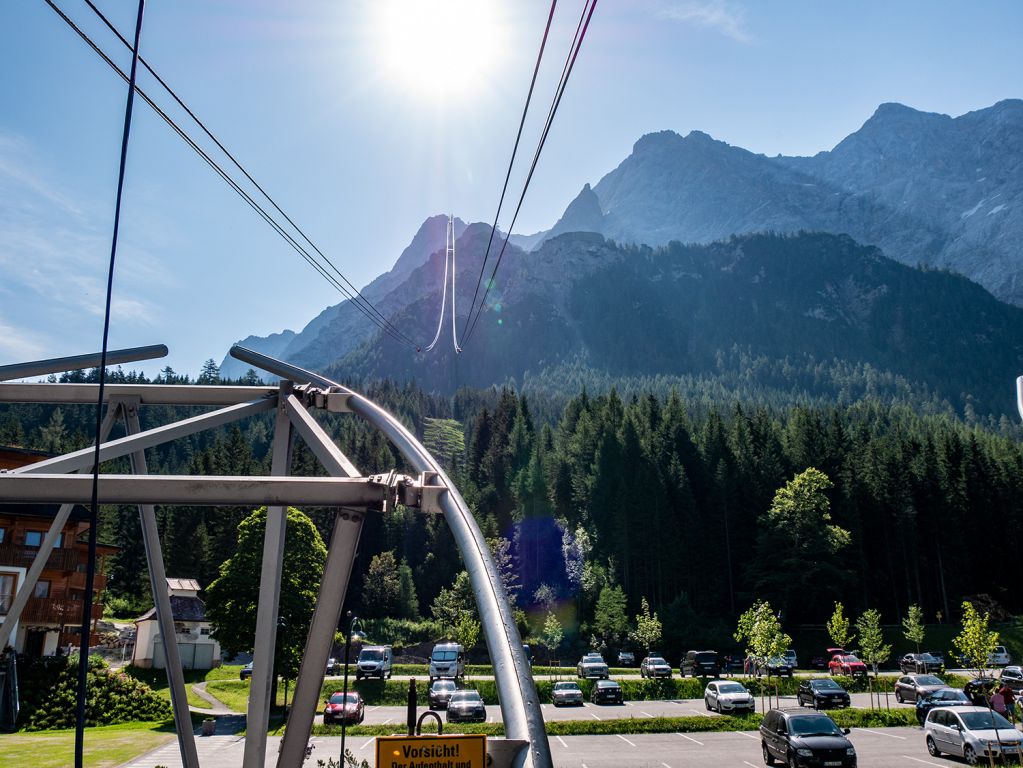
point(804, 739)
point(466, 707)
point(441, 692)
point(607, 692)
point(778, 666)
point(245, 672)
point(821, 693)
point(700, 664)
point(946, 697)
point(920, 663)
point(979, 689)
point(914, 687)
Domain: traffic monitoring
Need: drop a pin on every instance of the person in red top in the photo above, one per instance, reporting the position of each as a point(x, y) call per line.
point(1010, 702)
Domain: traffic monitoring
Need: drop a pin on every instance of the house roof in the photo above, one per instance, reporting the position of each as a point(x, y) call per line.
point(182, 609)
point(183, 584)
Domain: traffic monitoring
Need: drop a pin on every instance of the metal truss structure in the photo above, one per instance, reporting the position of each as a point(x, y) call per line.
point(293, 401)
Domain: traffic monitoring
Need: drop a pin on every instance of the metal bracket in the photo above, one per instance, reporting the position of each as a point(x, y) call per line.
point(411, 492)
point(325, 399)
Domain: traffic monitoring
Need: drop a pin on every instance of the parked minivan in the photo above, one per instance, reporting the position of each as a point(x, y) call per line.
point(801, 739)
point(374, 661)
point(448, 661)
point(700, 664)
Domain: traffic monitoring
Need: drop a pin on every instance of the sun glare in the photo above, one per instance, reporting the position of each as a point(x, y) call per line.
point(438, 48)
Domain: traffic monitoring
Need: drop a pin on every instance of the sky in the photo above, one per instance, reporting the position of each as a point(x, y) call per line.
point(363, 118)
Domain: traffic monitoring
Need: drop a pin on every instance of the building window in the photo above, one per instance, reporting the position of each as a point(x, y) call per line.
point(3, 534)
point(204, 631)
point(42, 589)
point(33, 538)
point(6, 592)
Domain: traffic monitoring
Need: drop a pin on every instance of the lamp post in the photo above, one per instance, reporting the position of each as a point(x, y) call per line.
point(352, 620)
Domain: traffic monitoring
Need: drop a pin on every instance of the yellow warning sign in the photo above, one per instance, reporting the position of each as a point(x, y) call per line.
point(469, 751)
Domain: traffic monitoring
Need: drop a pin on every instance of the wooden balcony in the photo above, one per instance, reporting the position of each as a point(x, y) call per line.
point(60, 559)
point(53, 610)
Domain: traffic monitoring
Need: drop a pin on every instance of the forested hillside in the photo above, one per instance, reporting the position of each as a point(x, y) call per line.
point(665, 497)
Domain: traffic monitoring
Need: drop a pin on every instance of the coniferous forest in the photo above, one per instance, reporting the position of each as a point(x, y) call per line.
point(663, 497)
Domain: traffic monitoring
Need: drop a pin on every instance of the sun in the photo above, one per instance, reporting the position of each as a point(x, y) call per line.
point(438, 48)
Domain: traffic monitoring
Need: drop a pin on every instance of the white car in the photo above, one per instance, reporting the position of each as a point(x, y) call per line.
point(972, 733)
point(999, 657)
point(728, 696)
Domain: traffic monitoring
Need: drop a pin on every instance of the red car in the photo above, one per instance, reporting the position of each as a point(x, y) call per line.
point(846, 664)
point(337, 710)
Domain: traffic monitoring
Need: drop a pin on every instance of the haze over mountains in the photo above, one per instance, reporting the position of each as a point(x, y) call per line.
point(924, 188)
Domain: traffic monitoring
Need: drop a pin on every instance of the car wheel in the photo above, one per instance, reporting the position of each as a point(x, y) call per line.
point(898, 696)
point(932, 748)
point(792, 761)
point(970, 755)
point(706, 703)
point(768, 757)
point(719, 709)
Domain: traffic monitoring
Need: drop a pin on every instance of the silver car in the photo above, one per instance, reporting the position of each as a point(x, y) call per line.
point(973, 733)
point(654, 667)
point(592, 665)
point(566, 693)
point(728, 696)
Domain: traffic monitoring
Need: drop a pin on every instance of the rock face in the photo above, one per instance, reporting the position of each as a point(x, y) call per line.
point(926, 188)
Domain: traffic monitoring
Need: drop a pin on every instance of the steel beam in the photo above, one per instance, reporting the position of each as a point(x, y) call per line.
point(319, 442)
point(520, 704)
point(197, 490)
point(27, 587)
point(340, 557)
point(260, 694)
point(78, 460)
point(1019, 395)
point(77, 362)
point(147, 394)
point(161, 600)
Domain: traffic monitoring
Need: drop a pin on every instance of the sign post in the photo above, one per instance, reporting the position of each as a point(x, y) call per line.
point(462, 751)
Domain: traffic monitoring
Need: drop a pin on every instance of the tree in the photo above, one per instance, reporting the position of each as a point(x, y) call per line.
point(210, 373)
point(913, 626)
point(760, 629)
point(451, 604)
point(872, 645)
point(381, 586)
point(609, 620)
point(467, 631)
point(552, 635)
point(648, 627)
point(975, 643)
point(838, 628)
point(231, 598)
point(408, 602)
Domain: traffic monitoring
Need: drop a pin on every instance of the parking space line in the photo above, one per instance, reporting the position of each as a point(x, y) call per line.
point(387, 721)
point(645, 713)
point(368, 743)
point(374, 709)
point(690, 738)
point(625, 740)
point(881, 733)
point(747, 762)
point(747, 735)
point(698, 712)
point(562, 742)
point(666, 765)
point(925, 762)
point(594, 716)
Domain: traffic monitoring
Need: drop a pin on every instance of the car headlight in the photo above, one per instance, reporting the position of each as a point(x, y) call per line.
point(850, 751)
point(804, 753)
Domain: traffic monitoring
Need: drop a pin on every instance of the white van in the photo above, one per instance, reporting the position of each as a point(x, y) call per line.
point(374, 661)
point(448, 661)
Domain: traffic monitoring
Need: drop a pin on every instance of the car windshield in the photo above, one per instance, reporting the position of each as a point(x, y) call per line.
point(850, 659)
point(929, 680)
point(566, 687)
point(444, 685)
point(339, 698)
point(444, 655)
point(926, 657)
point(657, 660)
point(465, 696)
point(607, 684)
point(813, 725)
point(950, 694)
point(593, 658)
point(704, 657)
point(368, 655)
point(825, 685)
point(732, 688)
point(983, 721)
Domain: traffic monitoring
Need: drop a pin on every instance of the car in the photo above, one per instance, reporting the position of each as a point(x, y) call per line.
point(440, 692)
point(731, 663)
point(973, 733)
point(821, 693)
point(819, 662)
point(245, 672)
point(979, 689)
point(728, 696)
point(912, 687)
point(654, 667)
point(939, 656)
point(802, 738)
point(332, 667)
point(626, 658)
point(945, 697)
point(466, 707)
point(528, 653)
point(566, 693)
point(999, 657)
point(791, 658)
point(846, 664)
point(777, 666)
point(375, 661)
point(447, 660)
point(607, 692)
point(700, 664)
point(1012, 677)
point(592, 665)
point(920, 662)
point(348, 708)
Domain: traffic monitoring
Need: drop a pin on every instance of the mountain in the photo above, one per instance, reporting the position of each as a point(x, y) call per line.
point(926, 188)
point(674, 311)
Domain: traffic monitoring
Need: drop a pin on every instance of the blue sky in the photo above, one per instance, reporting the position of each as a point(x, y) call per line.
point(359, 148)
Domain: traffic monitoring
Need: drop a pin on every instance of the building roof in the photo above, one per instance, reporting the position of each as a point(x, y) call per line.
point(182, 609)
point(183, 584)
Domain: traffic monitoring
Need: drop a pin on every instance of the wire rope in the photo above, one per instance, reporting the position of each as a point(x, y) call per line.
point(454, 270)
point(443, 299)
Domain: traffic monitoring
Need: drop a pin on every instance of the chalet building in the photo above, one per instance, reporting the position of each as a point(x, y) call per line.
point(196, 646)
point(53, 615)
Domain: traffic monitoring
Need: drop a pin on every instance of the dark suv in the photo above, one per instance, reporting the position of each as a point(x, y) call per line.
point(700, 664)
point(804, 739)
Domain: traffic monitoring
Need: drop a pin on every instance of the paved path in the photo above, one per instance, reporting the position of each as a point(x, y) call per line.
point(217, 707)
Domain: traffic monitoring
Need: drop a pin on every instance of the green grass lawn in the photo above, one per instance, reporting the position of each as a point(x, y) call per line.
point(105, 746)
